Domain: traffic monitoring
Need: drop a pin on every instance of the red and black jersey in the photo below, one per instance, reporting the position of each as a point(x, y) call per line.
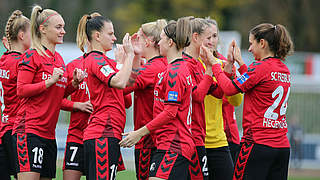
point(78, 119)
point(266, 85)
point(108, 117)
point(40, 106)
point(230, 122)
point(143, 96)
point(174, 89)
point(198, 125)
point(8, 90)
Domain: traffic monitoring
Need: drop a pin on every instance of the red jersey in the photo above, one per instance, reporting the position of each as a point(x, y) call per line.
point(40, 106)
point(230, 122)
point(266, 85)
point(8, 89)
point(108, 117)
point(78, 119)
point(198, 125)
point(143, 96)
point(174, 87)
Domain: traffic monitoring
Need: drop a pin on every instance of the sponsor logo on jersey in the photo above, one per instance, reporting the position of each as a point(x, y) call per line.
point(4, 73)
point(173, 96)
point(106, 70)
point(243, 78)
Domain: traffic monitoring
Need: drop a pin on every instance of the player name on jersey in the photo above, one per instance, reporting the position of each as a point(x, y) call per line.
point(4, 73)
point(282, 77)
point(270, 123)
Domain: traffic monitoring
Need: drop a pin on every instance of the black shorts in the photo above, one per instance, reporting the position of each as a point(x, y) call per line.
point(74, 157)
point(142, 162)
point(7, 155)
point(35, 154)
point(220, 163)
point(4, 169)
point(169, 165)
point(101, 158)
point(234, 151)
point(198, 168)
point(258, 161)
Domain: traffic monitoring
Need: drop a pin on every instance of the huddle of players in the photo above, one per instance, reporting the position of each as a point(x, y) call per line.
point(171, 100)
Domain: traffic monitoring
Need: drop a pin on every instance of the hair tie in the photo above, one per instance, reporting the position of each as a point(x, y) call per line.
point(40, 11)
point(88, 17)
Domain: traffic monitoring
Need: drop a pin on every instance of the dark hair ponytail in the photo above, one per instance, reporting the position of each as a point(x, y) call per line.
point(277, 36)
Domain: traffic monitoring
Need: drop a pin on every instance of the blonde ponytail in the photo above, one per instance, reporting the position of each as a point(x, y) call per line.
point(39, 17)
point(15, 23)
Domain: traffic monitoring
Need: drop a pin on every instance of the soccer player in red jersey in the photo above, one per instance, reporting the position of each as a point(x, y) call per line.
point(81, 108)
point(105, 84)
point(202, 81)
point(265, 147)
point(172, 108)
point(143, 88)
point(17, 40)
point(41, 85)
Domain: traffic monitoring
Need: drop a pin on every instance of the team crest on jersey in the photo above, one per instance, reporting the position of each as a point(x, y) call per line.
point(243, 78)
point(173, 96)
point(106, 70)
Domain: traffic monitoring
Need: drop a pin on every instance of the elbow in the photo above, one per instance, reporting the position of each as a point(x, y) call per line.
point(119, 84)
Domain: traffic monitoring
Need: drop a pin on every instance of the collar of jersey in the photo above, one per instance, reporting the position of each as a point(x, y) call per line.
point(176, 60)
point(98, 52)
point(12, 52)
point(270, 57)
point(156, 57)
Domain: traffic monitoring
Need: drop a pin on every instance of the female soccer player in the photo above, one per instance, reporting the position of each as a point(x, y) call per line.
point(172, 108)
point(219, 159)
point(265, 147)
point(81, 108)
point(41, 86)
point(149, 37)
point(202, 83)
point(105, 82)
point(17, 40)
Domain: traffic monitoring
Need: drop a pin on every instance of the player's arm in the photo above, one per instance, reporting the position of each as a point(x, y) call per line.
point(170, 112)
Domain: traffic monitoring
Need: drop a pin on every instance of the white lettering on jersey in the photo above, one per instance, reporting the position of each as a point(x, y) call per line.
point(282, 77)
point(274, 123)
point(4, 73)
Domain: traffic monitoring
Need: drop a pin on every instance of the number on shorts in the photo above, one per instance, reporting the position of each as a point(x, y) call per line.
point(74, 150)
point(205, 166)
point(38, 155)
point(270, 114)
point(113, 169)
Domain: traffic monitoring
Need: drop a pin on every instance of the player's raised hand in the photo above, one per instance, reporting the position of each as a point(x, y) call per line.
point(127, 45)
point(237, 54)
point(207, 56)
point(137, 46)
point(119, 53)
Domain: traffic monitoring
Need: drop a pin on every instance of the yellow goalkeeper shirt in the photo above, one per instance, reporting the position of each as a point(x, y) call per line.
point(215, 135)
